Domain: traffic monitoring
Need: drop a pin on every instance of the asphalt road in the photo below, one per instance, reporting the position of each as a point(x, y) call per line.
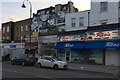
point(18, 71)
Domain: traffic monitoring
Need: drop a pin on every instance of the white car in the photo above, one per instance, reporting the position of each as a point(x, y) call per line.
point(50, 61)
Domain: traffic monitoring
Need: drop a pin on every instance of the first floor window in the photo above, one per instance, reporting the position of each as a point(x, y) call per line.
point(73, 20)
point(81, 21)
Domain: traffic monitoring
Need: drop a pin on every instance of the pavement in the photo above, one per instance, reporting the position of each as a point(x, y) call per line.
point(95, 68)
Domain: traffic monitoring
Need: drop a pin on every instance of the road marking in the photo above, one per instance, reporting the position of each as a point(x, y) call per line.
point(9, 70)
point(40, 76)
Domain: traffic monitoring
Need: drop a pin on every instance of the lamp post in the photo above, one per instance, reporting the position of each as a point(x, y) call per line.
point(23, 6)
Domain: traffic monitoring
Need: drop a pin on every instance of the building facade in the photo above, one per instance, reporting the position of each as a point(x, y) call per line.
point(14, 36)
point(52, 19)
point(104, 12)
point(102, 25)
point(22, 31)
point(77, 21)
point(8, 32)
point(48, 23)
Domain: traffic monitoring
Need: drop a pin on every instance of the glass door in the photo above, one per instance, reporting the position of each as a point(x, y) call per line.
point(68, 55)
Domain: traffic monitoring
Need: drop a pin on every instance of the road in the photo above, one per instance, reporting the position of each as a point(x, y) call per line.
point(18, 71)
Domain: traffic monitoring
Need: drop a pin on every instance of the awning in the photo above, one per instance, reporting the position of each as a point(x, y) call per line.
point(70, 45)
point(102, 45)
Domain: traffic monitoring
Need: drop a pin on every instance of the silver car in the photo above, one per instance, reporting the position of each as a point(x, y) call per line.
point(50, 61)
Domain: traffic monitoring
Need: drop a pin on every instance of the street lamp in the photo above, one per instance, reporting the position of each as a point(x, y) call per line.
point(23, 6)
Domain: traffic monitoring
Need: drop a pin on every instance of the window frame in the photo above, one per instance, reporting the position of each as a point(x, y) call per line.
point(81, 22)
point(21, 28)
point(8, 29)
point(103, 6)
point(73, 22)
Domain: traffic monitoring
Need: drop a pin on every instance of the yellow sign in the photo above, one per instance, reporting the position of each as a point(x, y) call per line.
point(35, 34)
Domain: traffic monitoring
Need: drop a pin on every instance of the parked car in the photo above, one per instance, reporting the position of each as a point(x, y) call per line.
point(23, 59)
point(53, 62)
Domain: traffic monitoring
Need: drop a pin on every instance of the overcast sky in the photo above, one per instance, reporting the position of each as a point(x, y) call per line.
point(11, 10)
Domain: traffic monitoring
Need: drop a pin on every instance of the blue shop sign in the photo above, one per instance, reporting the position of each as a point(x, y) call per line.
point(70, 45)
point(102, 45)
point(112, 45)
point(13, 46)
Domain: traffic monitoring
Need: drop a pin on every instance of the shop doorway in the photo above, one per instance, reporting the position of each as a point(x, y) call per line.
point(68, 55)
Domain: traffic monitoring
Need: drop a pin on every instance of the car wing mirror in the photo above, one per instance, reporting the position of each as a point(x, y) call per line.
point(52, 60)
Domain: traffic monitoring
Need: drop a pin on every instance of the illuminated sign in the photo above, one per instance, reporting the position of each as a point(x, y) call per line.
point(69, 45)
point(103, 35)
point(80, 37)
point(112, 44)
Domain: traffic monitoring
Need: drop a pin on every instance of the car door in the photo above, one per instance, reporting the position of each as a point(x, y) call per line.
point(43, 61)
point(49, 62)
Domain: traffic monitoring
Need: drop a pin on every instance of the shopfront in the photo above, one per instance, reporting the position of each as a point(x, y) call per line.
point(103, 46)
point(70, 47)
point(31, 47)
point(70, 51)
point(97, 47)
point(47, 44)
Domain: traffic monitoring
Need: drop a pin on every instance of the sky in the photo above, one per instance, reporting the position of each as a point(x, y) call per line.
point(11, 10)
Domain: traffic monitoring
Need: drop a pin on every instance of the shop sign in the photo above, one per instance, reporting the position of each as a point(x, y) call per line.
point(68, 45)
point(103, 35)
point(79, 37)
point(31, 45)
point(48, 39)
point(112, 44)
point(35, 34)
point(12, 46)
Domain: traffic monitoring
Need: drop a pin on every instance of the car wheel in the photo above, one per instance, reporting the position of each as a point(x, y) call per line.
point(55, 66)
point(39, 64)
point(12, 62)
point(23, 63)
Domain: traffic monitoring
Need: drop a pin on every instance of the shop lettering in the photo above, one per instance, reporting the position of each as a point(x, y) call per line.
point(101, 34)
point(111, 44)
point(69, 45)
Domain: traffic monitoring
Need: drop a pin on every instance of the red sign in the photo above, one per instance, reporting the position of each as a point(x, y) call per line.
point(31, 45)
point(101, 34)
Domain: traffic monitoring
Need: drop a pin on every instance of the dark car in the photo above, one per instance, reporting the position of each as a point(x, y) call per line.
point(23, 59)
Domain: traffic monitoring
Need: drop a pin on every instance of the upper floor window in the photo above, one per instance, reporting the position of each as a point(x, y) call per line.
point(8, 28)
point(81, 21)
point(103, 22)
point(58, 8)
point(73, 20)
point(3, 30)
point(26, 28)
point(21, 28)
point(103, 6)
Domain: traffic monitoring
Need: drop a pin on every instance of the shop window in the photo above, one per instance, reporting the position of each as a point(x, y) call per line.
point(77, 56)
point(96, 57)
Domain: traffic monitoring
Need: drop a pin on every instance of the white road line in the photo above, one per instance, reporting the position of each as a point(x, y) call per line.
point(40, 76)
point(9, 70)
